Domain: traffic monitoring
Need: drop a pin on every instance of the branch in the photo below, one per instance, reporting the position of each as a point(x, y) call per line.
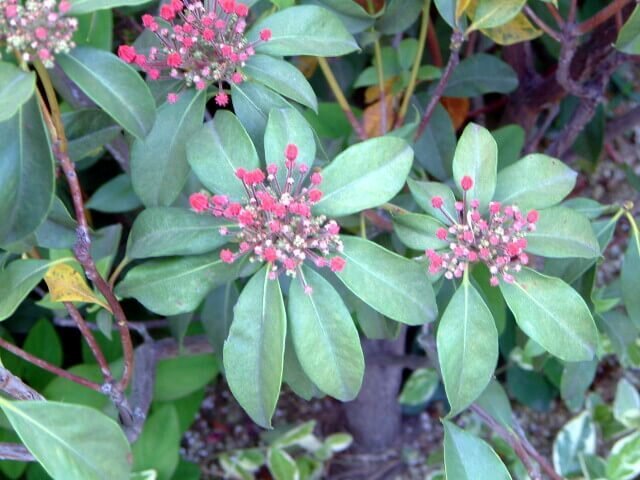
point(602, 16)
point(457, 38)
point(14, 387)
point(540, 23)
point(15, 451)
point(623, 123)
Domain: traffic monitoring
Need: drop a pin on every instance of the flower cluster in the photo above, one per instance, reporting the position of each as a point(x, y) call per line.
point(201, 43)
point(275, 224)
point(38, 29)
point(498, 241)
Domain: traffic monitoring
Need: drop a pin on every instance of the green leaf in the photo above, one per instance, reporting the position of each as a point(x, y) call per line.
point(86, 6)
point(624, 460)
point(88, 130)
point(115, 196)
point(398, 16)
point(630, 276)
point(629, 37)
point(297, 435)
point(181, 376)
point(578, 437)
point(535, 181)
point(164, 231)
point(467, 457)
point(281, 465)
point(285, 126)
point(419, 387)
point(95, 29)
point(159, 167)
point(576, 380)
point(477, 157)
point(479, 74)
point(418, 231)
point(304, 30)
point(70, 441)
point(27, 173)
point(18, 279)
point(435, 148)
point(112, 84)
point(562, 232)
point(43, 342)
point(293, 374)
point(626, 407)
point(467, 341)
point(510, 140)
point(365, 175)
point(320, 323)
point(64, 390)
point(254, 351)
point(217, 150)
point(158, 447)
point(393, 285)
point(493, 13)
point(423, 192)
point(338, 442)
point(217, 314)
point(282, 77)
point(496, 402)
point(553, 314)
point(16, 87)
point(171, 286)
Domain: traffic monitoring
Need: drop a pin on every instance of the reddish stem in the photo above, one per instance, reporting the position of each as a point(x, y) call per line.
point(602, 16)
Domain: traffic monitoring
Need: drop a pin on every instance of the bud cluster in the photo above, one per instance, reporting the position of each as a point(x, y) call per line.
point(275, 224)
point(499, 241)
point(200, 43)
point(38, 30)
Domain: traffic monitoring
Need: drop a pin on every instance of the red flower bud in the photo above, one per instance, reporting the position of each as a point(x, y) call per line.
point(437, 202)
point(466, 183)
point(265, 34)
point(199, 202)
point(291, 152)
point(337, 264)
point(127, 53)
point(533, 216)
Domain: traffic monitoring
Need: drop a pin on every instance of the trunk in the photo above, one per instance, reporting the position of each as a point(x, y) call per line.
point(374, 417)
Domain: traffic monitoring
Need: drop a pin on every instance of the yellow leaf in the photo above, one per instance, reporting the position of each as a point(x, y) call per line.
point(458, 108)
point(517, 30)
point(372, 93)
point(67, 285)
point(461, 6)
point(307, 65)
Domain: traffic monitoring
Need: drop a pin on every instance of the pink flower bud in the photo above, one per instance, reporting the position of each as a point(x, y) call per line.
point(316, 178)
point(265, 35)
point(315, 195)
point(337, 264)
point(291, 152)
point(466, 183)
point(226, 256)
point(64, 6)
point(148, 20)
point(242, 10)
point(241, 173)
point(494, 208)
point(437, 202)
point(167, 12)
point(222, 99)
point(272, 169)
point(174, 59)
point(533, 216)
point(172, 98)
point(270, 254)
point(441, 233)
point(127, 53)
point(494, 282)
point(199, 202)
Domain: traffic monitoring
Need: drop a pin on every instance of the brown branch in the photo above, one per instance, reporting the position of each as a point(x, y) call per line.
point(434, 45)
point(16, 388)
point(48, 366)
point(541, 23)
point(457, 38)
point(623, 123)
point(602, 16)
point(15, 451)
point(555, 14)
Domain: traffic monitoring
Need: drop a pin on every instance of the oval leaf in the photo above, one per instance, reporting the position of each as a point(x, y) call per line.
point(16, 87)
point(320, 323)
point(535, 181)
point(477, 157)
point(480, 74)
point(112, 84)
point(365, 175)
point(630, 276)
point(70, 441)
point(493, 13)
point(68, 285)
point(391, 284)
point(553, 314)
point(423, 192)
point(159, 166)
point(254, 351)
point(87, 6)
point(467, 343)
point(304, 30)
point(218, 149)
point(165, 231)
point(418, 231)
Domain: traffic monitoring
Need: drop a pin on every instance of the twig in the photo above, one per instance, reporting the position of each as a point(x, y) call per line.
point(532, 144)
point(48, 366)
point(434, 45)
point(340, 98)
point(15, 451)
point(16, 388)
point(623, 123)
point(540, 23)
point(568, 47)
point(602, 16)
point(424, 28)
point(457, 37)
point(381, 87)
point(555, 14)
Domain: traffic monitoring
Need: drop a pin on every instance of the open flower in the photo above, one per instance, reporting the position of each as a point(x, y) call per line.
point(498, 240)
point(275, 223)
point(38, 29)
point(200, 43)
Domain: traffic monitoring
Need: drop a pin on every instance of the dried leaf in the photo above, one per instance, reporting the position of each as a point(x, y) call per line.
point(67, 285)
point(373, 116)
point(377, 5)
point(307, 65)
point(458, 109)
point(519, 29)
point(372, 94)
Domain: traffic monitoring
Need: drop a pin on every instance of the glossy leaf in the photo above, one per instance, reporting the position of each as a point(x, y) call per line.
point(626, 407)
point(535, 181)
point(304, 30)
point(399, 16)
point(365, 175)
point(577, 438)
point(495, 402)
point(112, 84)
point(16, 87)
point(320, 323)
point(419, 387)
point(26, 176)
point(165, 231)
point(494, 13)
point(391, 284)
point(630, 276)
point(576, 380)
point(629, 37)
point(281, 465)
point(562, 232)
point(115, 196)
point(183, 375)
point(477, 157)
point(88, 130)
point(466, 457)
point(254, 351)
point(86, 6)
point(159, 444)
point(423, 193)
point(282, 77)
point(518, 29)
point(553, 314)
point(624, 460)
point(479, 74)
point(435, 148)
point(70, 441)
point(172, 286)
point(467, 342)
point(217, 150)
point(418, 231)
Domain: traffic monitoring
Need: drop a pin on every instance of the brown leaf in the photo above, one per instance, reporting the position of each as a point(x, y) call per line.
point(373, 116)
point(307, 65)
point(377, 5)
point(458, 109)
point(372, 93)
